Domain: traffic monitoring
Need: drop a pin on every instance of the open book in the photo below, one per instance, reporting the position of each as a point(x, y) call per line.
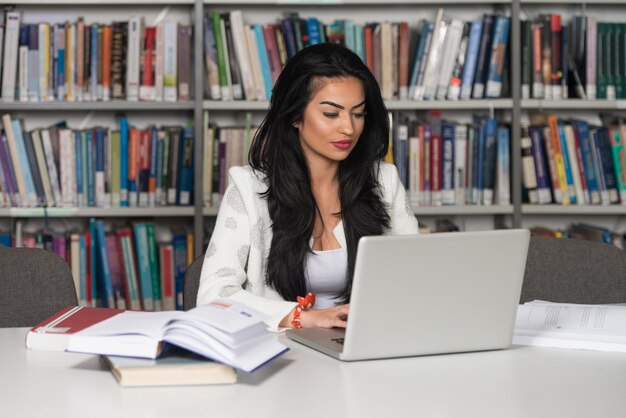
point(225, 331)
point(590, 327)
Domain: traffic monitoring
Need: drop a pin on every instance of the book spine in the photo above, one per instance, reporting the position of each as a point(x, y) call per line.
point(454, 88)
point(52, 166)
point(489, 161)
point(147, 90)
point(33, 63)
point(145, 277)
point(104, 264)
point(503, 179)
point(22, 76)
point(557, 75)
point(210, 60)
point(154, 267)
point(529, 176)
point(132, 58)
point(31, 193)
point(558, 159)
point(170, 63)
point(460, 164)
point(10, 61)
point(80, 180)
point(619, 162)
point(133, 166)
point(123, 162)
point(527, 59)
point(499, 44)
point(447, 183)
point(591, 50)
point(183, 62)
point(482, 62)
point(571, 192)
point(469, 70)
point(90, 175)
point(185, 166)
point(99, 168)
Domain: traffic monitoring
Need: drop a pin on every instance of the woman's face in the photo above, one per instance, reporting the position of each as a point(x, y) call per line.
point(333, 120)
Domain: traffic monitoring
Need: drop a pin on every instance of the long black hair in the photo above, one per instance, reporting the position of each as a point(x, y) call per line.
point(276, 152)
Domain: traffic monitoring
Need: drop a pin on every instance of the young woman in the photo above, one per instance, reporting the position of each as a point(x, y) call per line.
point(290, 222)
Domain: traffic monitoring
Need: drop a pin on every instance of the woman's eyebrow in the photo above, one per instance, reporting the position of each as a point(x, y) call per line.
point(338, 106)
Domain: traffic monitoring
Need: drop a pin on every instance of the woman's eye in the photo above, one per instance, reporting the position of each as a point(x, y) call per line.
point(360, 114)
point(331, 114)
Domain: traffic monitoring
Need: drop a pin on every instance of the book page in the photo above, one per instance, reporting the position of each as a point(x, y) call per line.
point(594, 327)
point(150, 324)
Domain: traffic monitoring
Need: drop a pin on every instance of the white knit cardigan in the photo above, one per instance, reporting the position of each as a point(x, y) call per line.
point(236, 258)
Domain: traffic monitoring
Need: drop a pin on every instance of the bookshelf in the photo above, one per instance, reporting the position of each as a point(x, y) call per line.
point(102, 113)
point(260, 11)
point(556, 215)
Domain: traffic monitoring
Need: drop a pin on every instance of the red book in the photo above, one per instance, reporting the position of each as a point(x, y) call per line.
point(54, 332)
point(271, 45)
point(369, 51)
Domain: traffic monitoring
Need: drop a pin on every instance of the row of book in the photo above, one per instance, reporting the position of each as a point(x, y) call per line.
point(584, 59)
point(74, 61)
point(584, 231)
point(127, 267)
point(452, 59)
point(96, 167)
point(571, 162)
point(448, 163)
point(224, 147)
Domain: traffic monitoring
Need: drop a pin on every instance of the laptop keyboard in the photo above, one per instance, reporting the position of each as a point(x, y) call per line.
point(338, 340)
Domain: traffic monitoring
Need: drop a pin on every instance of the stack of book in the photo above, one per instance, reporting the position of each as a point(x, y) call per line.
point(75, 61)
point(452, 59)
point(223, 331)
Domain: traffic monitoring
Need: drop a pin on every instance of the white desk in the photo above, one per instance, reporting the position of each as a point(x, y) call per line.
point(519, 382)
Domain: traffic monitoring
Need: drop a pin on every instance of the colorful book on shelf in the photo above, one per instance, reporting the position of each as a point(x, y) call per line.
point(184, 63)
point(496, 66)
point(482, 60)
point(224, 331)
point(529, 175)
point(210, 60)
point(185, 167)
point(143, 266)
point(448, 195)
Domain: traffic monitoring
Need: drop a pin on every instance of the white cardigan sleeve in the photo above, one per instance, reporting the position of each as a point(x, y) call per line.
point(224, 269)
point(403, 220)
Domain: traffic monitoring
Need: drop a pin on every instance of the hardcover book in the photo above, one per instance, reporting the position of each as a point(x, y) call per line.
point(175, 367)
point(224, 331)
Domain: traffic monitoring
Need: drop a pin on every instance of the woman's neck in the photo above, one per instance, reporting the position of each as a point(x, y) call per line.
point(323, 173)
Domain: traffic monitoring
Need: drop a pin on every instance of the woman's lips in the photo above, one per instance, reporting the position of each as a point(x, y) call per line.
point(342, 144)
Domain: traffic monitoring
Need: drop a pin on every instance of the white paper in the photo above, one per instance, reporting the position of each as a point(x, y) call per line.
point(591, 327)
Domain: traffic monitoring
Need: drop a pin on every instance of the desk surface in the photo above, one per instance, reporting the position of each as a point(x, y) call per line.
point(518, 382)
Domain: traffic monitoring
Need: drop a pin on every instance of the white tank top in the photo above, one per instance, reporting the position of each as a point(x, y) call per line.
point(325, 274)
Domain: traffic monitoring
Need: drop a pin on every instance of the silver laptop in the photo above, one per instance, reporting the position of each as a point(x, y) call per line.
point(429, 294)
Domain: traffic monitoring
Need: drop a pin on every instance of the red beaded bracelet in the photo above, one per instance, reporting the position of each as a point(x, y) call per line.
point(304, 303)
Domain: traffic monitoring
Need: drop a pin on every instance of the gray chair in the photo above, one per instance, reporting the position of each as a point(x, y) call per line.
point(34, 284)
point(574, 271)
point(192, 282)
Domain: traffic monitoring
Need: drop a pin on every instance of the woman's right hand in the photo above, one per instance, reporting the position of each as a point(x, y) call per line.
point(337, 316)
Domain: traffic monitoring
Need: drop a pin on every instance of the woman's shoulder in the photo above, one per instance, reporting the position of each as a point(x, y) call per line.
point(246, 179)
point(387, 174)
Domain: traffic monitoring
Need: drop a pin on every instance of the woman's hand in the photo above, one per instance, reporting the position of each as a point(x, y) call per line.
point(336, 316)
